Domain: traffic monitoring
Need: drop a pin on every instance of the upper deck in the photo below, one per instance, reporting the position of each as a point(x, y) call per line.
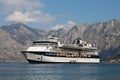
point(44, 42)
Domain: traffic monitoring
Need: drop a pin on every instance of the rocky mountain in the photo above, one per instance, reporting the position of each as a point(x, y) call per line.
point(22, 33)
point(9, 48)
point(106, 36)
point(17, 37)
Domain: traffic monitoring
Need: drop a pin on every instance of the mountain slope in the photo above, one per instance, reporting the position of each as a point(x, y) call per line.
point(21, 33)
point(106, 36)
point(10, 49)
point(17, 37)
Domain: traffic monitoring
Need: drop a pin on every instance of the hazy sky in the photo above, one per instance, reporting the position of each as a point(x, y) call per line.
point(45, 14)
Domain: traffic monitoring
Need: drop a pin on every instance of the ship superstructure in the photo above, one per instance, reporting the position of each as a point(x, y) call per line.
point(52, 51)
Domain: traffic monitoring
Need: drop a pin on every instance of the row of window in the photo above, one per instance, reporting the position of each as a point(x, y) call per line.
point(66, 55)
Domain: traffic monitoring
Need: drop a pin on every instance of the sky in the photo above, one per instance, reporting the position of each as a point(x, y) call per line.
point(45, 14)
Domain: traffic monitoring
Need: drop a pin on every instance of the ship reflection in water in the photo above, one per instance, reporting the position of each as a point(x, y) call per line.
point(25, 71)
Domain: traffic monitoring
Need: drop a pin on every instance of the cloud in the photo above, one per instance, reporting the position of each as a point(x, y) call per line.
point(35, 16)
point(68, 25)
point(21, 4)
point(25, 11)
point(57, 27)
point(18, 16)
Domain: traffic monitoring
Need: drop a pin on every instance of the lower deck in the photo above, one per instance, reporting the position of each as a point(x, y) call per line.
point(48, 57)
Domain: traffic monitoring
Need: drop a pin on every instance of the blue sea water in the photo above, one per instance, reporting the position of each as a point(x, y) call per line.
point(26, 71)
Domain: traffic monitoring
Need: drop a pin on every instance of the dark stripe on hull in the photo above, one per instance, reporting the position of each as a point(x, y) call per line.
point(43, 62)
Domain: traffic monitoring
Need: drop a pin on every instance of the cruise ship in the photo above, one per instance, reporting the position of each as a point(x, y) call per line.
point(51, 50)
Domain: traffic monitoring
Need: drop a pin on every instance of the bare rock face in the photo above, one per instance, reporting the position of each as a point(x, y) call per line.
point(10, 49)
point(21, 33)
point(17, 37)
point(106, 36)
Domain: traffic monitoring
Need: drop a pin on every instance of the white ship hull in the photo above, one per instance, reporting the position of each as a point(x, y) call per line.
point(52, 51)
point(37, 58)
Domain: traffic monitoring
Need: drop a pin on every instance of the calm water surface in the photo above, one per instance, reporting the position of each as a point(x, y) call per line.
point(26, 71)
